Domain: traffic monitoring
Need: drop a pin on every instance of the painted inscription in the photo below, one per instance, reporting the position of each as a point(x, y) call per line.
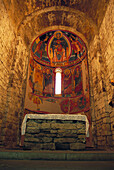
point(48, 3)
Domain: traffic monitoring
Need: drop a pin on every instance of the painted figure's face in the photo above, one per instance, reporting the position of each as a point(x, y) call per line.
point(67, 72)
point(47, 71)
point(58, 35)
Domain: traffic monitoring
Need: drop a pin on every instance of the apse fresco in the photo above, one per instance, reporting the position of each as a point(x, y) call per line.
point(49, 51)
point(67, 82)
point(78, 80)
point(58, 48)
point(48, 82)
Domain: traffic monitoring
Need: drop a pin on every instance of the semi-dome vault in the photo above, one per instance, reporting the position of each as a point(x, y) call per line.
point(58, 49)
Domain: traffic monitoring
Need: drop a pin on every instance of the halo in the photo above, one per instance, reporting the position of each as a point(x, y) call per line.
point(58, 32)
point(67, 72)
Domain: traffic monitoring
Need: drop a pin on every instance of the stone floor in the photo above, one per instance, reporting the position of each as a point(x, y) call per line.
point(55, 165)
point(56, 155)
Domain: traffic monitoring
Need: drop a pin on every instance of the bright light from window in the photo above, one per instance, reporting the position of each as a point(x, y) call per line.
point(58, 81)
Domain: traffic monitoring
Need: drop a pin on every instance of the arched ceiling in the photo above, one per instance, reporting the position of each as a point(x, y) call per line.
point(31, 16)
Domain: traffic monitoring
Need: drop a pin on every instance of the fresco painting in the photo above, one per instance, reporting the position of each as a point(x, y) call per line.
point(31, 70)
point(35, 99)
point(72, 80)
point(74, 105)
point(82, 102)
point(52, 100)
point(65, 106)
point(36, 77)
point(64, 50)
point(77, 48)
point(48, 82)
point(58, 48)
point(39, 47)
point(67, 82)
point(78, 80)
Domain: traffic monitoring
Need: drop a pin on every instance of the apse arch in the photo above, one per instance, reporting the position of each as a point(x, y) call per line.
point(41, 20)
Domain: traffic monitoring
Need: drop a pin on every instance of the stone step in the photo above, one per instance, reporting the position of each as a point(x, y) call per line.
point(57, 155)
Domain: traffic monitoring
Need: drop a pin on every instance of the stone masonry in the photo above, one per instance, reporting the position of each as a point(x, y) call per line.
point(13, 71)
point(55, 135)
point(101, 68)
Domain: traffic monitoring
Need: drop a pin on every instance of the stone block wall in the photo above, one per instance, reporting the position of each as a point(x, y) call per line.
point(107, 46)
point(55, 134)
point(7, 45)
point(101, 64)
point(16, 94)
point(13, 69)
